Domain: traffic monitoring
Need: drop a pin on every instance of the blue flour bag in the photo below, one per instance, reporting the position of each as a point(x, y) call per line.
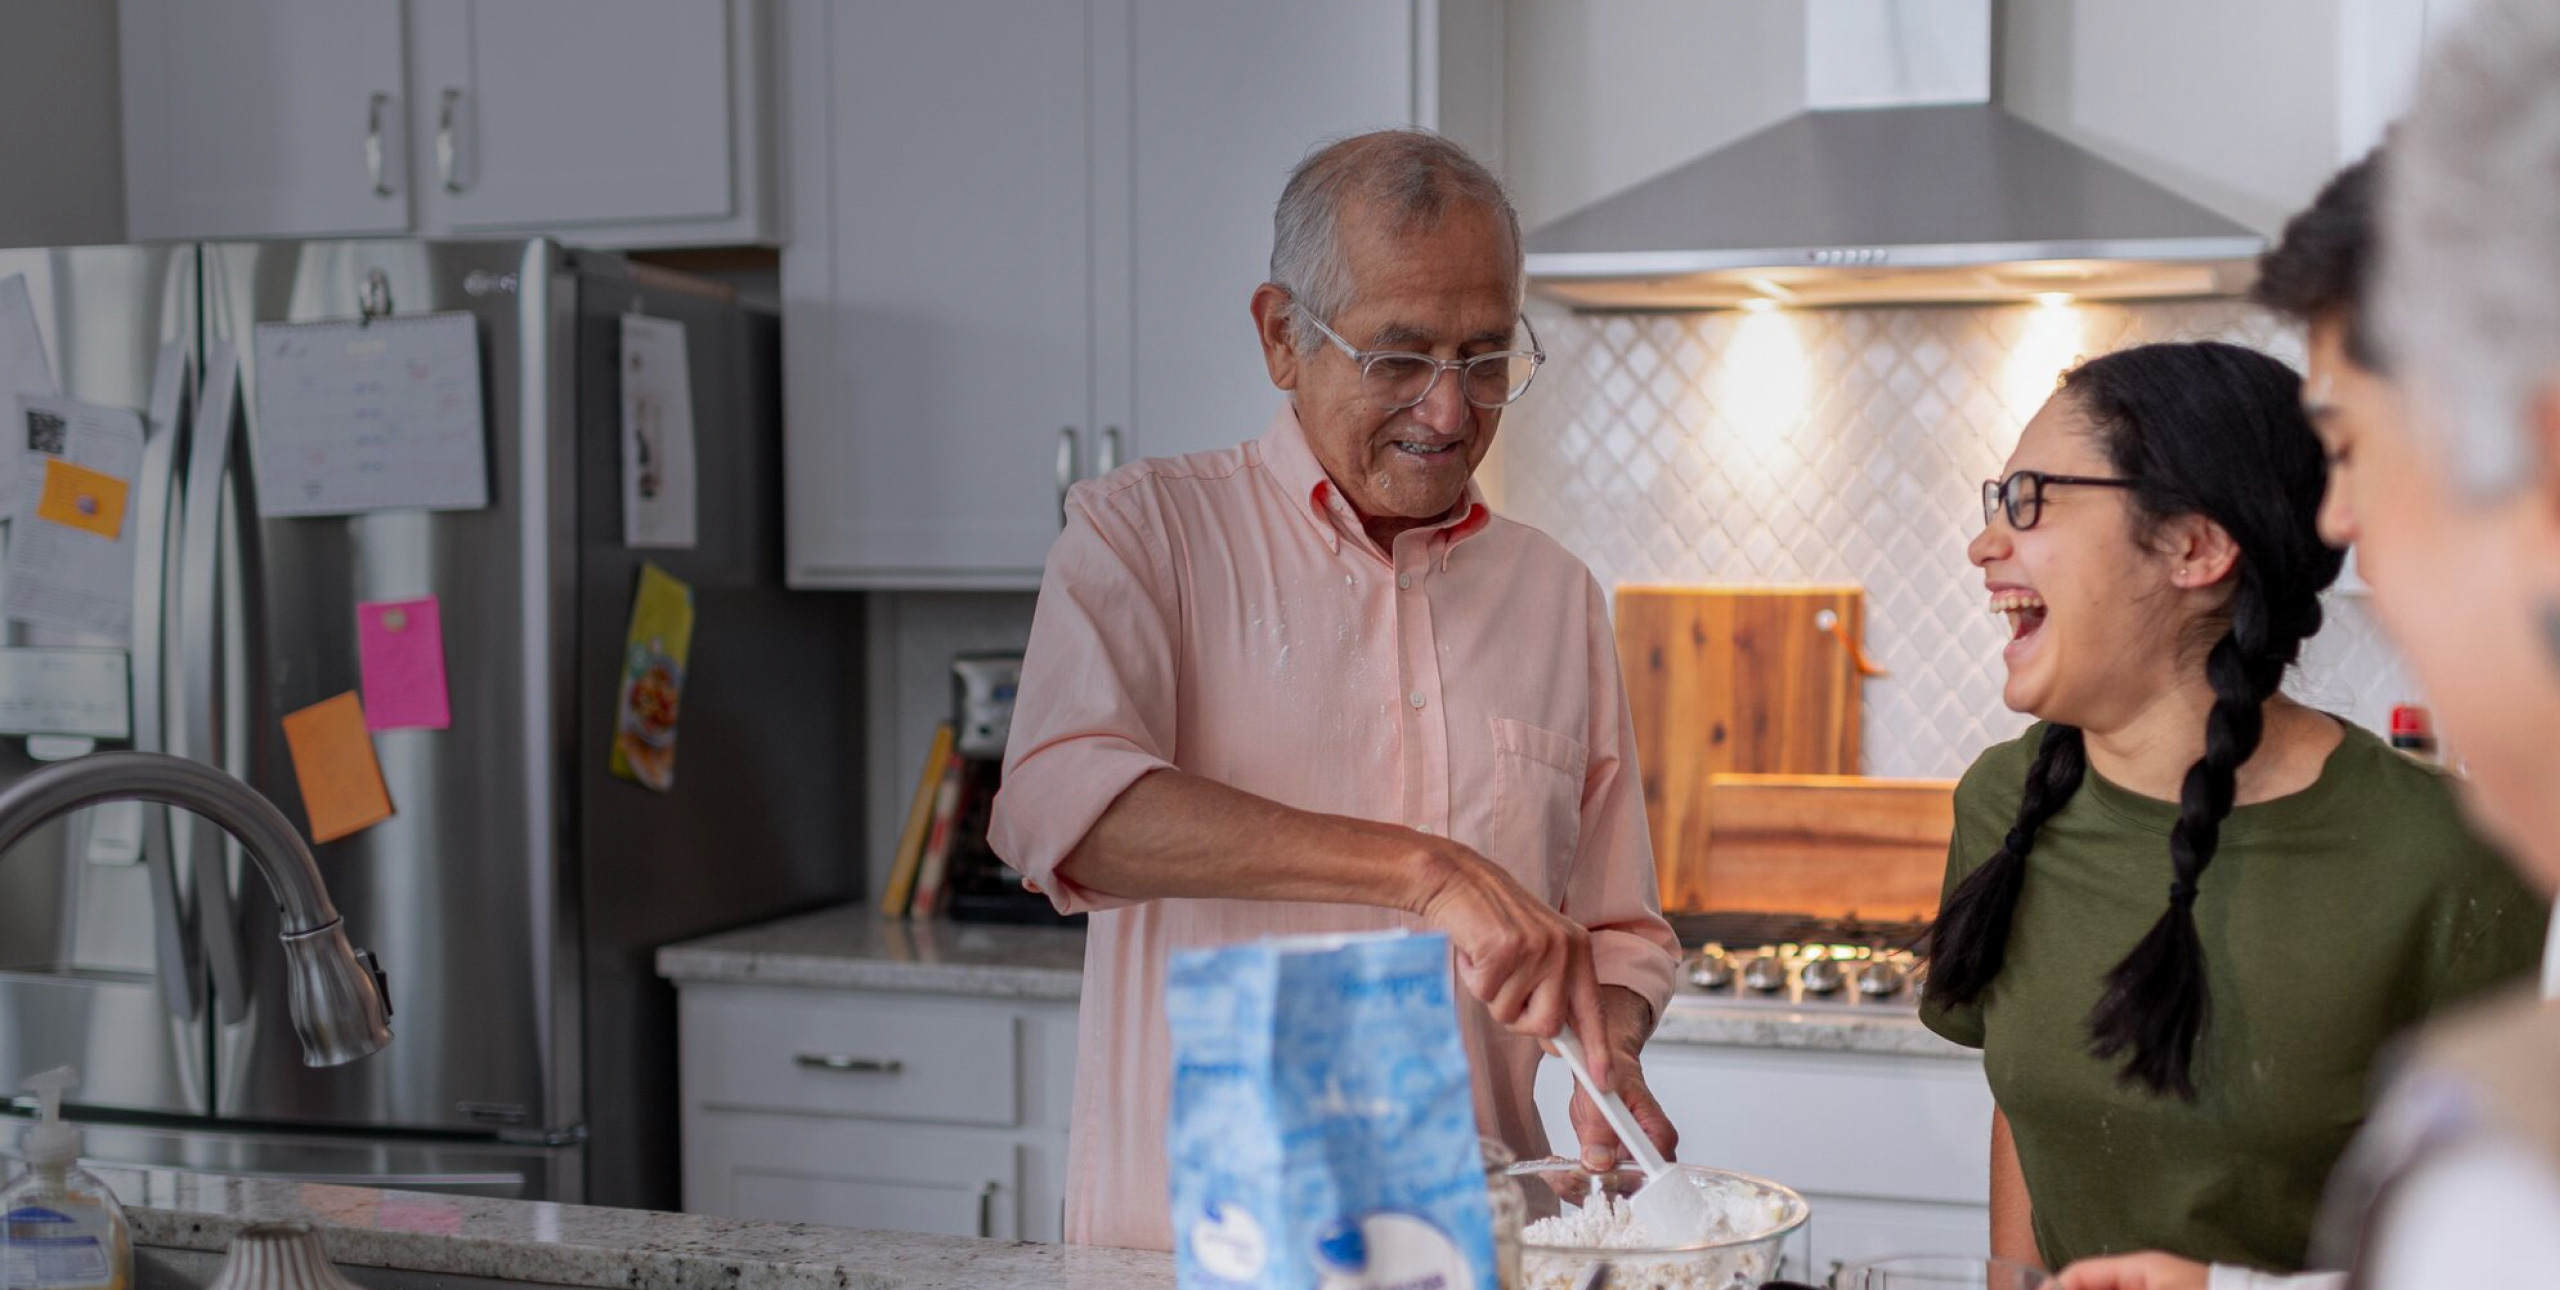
point(1323, 1131)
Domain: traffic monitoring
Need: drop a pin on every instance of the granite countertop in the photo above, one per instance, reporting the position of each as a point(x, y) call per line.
point(853, 947)
point(1696, 1019)
point(620, 1249)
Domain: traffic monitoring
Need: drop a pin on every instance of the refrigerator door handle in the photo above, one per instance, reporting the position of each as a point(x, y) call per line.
point(199, 628)
point(173, 931)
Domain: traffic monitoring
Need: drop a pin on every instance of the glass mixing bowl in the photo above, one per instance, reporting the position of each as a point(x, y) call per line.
point(1764, 1214)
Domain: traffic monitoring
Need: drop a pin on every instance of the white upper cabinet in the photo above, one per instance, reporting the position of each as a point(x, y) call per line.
point(572, 113)
point(603, 122)
point(937, 359)
point(263, 118)
point(1026, 237)
point(1274, 79)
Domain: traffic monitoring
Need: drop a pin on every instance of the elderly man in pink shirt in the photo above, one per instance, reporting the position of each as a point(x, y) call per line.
point(1314, 684)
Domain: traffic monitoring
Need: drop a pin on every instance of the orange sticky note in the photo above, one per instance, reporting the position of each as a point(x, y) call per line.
point(333, 761)
point(80, 498)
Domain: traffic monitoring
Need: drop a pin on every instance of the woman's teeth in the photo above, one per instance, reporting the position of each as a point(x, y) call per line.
point(2025, 612)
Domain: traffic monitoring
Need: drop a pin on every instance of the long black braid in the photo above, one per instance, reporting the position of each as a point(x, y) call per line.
point(2203, 429)
point(1970, 939)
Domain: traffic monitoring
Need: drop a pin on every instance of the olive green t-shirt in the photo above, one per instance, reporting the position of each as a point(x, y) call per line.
point(2331, 919)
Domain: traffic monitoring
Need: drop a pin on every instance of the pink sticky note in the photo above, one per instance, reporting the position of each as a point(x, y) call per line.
point(402, 643)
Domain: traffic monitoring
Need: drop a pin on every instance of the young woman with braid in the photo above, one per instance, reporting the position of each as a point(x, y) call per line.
point(2184, 912)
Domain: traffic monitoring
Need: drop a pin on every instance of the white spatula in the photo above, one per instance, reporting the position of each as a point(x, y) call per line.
point(1672, 1209)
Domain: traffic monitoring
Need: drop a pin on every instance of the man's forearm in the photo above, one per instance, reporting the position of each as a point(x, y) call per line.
point(1175, 835)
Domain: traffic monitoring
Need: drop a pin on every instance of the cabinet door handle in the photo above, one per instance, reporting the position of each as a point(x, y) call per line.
point(1066, 469)
point(987, 1211)
point(851, 1064)
point(1110, 451)
point(445, 160)
point(373, 162)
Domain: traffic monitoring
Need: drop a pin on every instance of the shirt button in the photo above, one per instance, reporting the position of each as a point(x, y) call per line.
point(1405, 580)
point(1349, 581)
point(1415, 699)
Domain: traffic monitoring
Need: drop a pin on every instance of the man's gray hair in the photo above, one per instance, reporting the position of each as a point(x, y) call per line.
point(2470, 298)
point(1410, 176)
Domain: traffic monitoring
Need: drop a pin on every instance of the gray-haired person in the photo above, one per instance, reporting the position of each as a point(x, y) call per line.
point(2453, 503)
point(1314, 684)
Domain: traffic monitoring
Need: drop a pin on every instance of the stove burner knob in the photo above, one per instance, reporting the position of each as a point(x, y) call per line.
point(1822, 976)
point(1711, 970)
point(1881, 978)
point(1767, 974)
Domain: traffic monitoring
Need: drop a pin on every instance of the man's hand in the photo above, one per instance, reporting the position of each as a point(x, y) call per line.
point(2150, 1270)
point(1529, 964)
point(1626, 1022)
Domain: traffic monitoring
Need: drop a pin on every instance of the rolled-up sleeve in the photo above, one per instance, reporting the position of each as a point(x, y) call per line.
point(1612, 890)
point(1095, 712)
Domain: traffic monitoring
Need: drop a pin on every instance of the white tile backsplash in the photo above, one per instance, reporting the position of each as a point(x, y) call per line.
point(1849, 445)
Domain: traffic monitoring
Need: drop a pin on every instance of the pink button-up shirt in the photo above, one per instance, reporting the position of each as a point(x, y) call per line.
point(1224, 614)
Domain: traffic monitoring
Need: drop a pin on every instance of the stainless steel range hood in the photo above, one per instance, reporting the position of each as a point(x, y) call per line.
point(1944, 202)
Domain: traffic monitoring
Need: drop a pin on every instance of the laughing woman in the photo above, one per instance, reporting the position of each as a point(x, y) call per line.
point(2184, 912)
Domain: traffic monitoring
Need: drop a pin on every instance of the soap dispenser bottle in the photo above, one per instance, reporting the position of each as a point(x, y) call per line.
point(60, 1228)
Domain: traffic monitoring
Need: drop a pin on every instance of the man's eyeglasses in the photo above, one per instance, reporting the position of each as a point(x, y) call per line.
point(1394, 380)
point(2021, 495)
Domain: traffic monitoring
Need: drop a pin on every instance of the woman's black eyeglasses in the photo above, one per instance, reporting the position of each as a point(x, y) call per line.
point(2022, 495)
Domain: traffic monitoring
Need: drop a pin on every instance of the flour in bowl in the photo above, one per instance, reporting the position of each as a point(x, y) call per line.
point(1553, 1262)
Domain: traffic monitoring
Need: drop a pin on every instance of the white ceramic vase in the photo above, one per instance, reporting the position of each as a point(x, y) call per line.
point(279, 1256)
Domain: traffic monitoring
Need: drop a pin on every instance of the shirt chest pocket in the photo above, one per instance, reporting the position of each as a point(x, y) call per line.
point(1537, 804)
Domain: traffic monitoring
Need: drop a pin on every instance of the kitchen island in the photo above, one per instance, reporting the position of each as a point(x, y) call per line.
point(545, 1244)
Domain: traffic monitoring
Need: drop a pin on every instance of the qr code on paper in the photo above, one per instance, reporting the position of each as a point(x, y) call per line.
point(46, 432)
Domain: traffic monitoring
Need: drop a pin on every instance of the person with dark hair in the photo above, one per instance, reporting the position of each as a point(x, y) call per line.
point(2184, 911)
point(2319, 272)
point(2320, 275)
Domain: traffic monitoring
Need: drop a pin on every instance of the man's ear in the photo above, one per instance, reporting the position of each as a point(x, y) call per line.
point(1275, 322)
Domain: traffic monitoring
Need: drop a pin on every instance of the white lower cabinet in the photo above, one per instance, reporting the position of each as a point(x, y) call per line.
point(948, 1113)
point(894, 1112)
point(1892, 1151)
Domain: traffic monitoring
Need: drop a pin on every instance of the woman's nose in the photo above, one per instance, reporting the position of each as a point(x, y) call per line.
point(1990, 544)
point(2337, 520)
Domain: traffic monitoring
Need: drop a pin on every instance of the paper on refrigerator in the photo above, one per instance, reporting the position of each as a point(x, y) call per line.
point(370, 416)
point(71, 555)
point(65, 692)
point(24, 369)
point(657, 435)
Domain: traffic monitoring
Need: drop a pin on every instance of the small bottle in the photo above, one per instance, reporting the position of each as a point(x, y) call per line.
point(2413, 732)
point(60, 1228)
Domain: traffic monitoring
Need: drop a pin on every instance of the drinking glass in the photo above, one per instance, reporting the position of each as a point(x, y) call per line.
point(1938, 1272)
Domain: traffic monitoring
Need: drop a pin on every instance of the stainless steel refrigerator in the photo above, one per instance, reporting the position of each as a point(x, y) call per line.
point(516, 895)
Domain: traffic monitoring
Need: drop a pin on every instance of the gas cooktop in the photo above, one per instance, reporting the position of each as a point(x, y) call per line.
point(1800, 960)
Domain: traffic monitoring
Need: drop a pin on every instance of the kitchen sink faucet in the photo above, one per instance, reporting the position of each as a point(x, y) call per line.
point(340, 1004)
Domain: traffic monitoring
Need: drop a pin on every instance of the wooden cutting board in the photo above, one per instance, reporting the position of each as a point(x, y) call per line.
point(1828, 845)
point(1724, 680)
